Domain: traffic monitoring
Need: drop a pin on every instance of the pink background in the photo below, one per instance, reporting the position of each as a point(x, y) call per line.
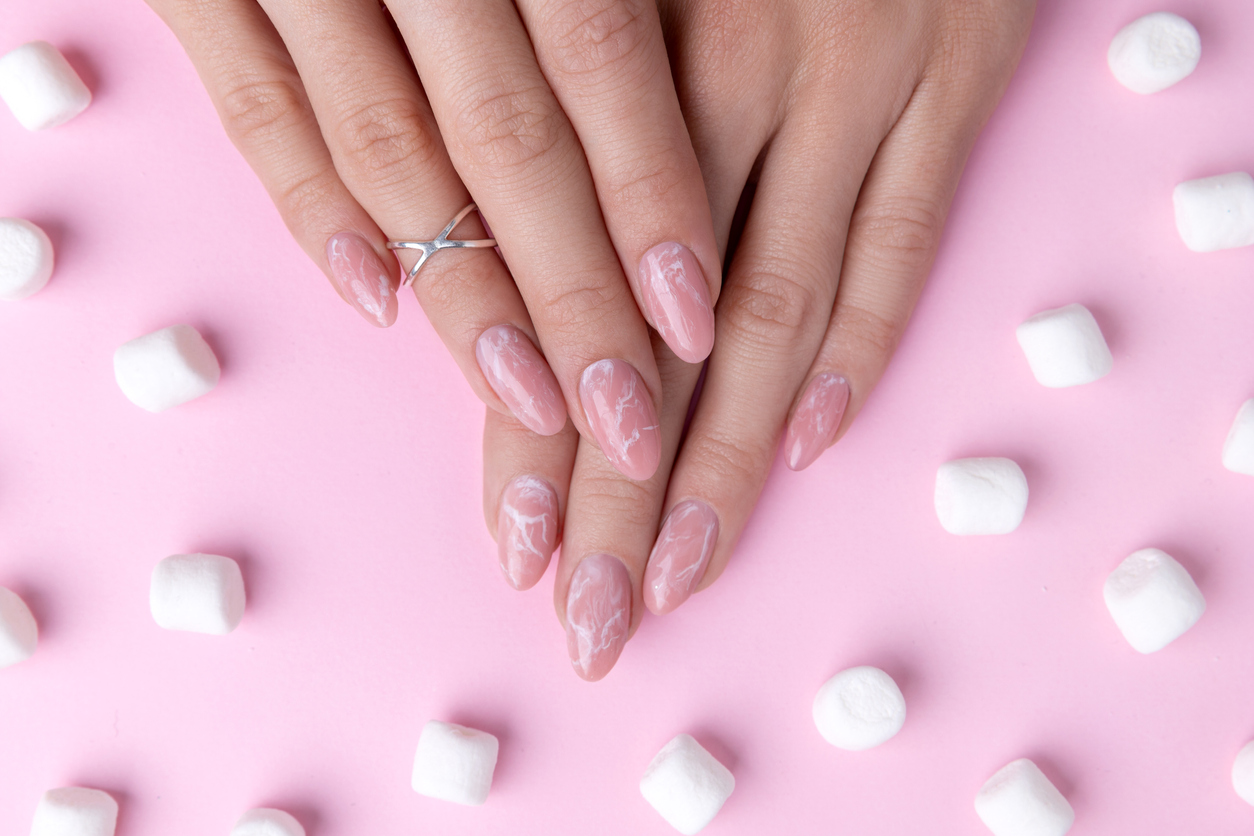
point(341, 465)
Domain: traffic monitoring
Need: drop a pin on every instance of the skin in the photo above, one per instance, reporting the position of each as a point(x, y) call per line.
point(603, 128)
point(850, 122)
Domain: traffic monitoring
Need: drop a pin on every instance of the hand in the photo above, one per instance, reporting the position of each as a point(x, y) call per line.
point(559, 116)
point(846, 126)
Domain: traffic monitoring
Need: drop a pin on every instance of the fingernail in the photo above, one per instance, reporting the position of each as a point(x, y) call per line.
point(816, 420)
point(598, 615)
point(363, 277)
point(526, 530)
point(679, 558)
point(517, 372)
point(674, 290)
point(622, 417)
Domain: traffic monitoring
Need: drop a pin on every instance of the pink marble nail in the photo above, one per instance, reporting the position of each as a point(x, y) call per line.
point(517, 372)
point(363, 277)
point(526, 530)
point(598, 615)
point(816, 420)
point(621, 414)
point(680, 555)
point(677, 297)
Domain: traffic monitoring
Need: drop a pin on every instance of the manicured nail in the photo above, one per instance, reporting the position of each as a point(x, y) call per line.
point(363, 277)
point(678, 299)
point(526, 530)
point(622, 417)
point(518, 373)
point(679, 558)
point(816, 420)
point(598, 615)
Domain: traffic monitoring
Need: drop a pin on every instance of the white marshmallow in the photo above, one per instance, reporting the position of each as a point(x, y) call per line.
point(686, 784)
point(1153, 599)
point(166, 368)
point(859, 708)
point(199, 593)
point(18, 631)
point(40, 86)
point(75, 811)
point(1239, 446)
point(25, 259)
point(980, 496)
point(1020, 801)
point(264, 821)
point(1065, 347)
point(1243, 773)
point(1215, 213)
point(1154, 52)
point(454, 763)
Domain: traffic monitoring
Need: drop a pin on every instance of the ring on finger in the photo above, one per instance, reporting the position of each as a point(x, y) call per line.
point(440, 242)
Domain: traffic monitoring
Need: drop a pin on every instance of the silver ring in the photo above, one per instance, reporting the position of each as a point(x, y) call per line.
point(441, 242)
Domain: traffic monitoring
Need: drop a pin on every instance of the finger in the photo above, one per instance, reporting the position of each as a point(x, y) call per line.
point(893, 237)
point(606, 63)
point(386, 146)
point(525, 484)
point(518, 154)
point(771, 318)
point(610, 525)
point(264, 107)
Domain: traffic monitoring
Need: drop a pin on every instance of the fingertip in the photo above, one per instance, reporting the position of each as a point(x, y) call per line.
point(362, 277)
point(527, 528)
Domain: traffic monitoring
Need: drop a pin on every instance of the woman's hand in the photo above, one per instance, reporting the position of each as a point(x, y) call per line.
point(847, 123)
point(559, 116)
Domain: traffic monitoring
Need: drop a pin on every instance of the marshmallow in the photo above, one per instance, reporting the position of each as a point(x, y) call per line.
point(1154, 52)
point(686, 784)
point(166, 368)
point(1152, 599)
point(18, 632)
point(1239, 446)
point(859, 708)
point(199, 593)
point(1215, 213)
point(1064, 347)
point(980, 496)
point(454, 763)
point(40, 86)
point(25, 259)
point(1243, 773)
point(75, 811)
point(264, 821)
point(1020, 801)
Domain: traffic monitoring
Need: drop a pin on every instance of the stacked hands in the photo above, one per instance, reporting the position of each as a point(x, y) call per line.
point(620, 149)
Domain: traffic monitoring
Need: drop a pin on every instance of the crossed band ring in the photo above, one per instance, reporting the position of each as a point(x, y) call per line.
point(441, 242)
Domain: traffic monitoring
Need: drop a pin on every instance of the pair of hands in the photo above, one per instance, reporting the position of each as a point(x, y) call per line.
point(617, 147)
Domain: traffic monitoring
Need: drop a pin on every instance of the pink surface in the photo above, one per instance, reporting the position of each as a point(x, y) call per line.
point(340, 464)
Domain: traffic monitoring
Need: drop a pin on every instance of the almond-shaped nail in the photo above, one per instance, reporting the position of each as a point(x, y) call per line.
point(519, 374)
point(623, 419)
point(598, 615)
point(816, 420)
point(363, 277)
point(677, 297)
point(682, 551)
point(526, 530)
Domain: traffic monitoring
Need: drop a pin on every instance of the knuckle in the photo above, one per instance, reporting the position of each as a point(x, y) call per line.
point(649, 179)
point(633, 506)
point(864, 333)
point(599, 36)
point(387, 140)
point(254, 110)
point(578, 309)
point(304, 198)
point(902, 232)
point(772, 308)
point(730, 461)
point(507, 129)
